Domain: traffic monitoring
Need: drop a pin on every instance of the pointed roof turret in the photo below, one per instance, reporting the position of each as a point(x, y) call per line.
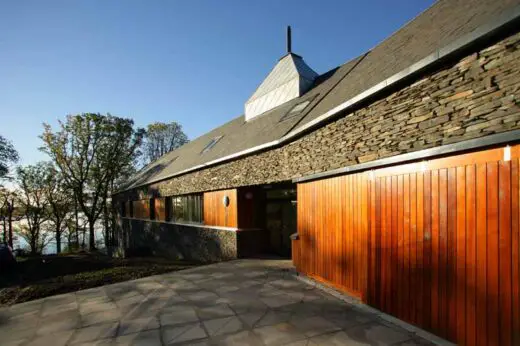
point(290, 78)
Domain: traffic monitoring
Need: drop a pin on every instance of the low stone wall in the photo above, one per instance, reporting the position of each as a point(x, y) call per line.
point(189, 242)
point(194, 243)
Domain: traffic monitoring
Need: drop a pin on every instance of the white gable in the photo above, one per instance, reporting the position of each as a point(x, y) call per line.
point(289, 79)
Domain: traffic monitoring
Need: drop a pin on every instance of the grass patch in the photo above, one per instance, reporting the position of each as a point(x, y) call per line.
point(44, 276)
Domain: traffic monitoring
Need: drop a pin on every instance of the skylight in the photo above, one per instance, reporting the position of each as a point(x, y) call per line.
point(211, 144)
point(299, 107)
point(295, 110)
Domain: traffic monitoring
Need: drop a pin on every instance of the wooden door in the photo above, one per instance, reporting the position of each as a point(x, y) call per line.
point(333, 230)
point(444, 248)
point(433, 243)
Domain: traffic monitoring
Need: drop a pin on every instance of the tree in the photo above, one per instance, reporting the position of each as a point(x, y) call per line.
point(33, 204)
point(7, 210)
point(161, 138)
point(60, 201)
point(91, 151)
point(37, 241)
point(8, 155)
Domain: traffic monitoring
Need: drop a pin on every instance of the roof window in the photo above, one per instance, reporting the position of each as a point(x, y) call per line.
point(211, 144)
point(297, 109)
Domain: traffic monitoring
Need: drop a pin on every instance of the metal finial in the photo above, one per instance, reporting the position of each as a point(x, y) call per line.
point(289, 48)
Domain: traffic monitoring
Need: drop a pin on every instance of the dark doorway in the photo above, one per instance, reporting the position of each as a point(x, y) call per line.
point(280, 217)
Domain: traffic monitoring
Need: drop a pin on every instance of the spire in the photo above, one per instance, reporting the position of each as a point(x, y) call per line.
point(290, 78)
point(289, 38)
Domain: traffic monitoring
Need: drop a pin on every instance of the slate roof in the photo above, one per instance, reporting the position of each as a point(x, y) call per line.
point(439, 25)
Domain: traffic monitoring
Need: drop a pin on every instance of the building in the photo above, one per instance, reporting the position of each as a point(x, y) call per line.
point(397, 175)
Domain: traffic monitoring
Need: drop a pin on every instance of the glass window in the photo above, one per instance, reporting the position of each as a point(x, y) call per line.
point(187, 208)
point(177, 209)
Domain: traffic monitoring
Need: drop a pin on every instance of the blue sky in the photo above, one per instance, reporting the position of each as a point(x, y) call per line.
point(195, 62)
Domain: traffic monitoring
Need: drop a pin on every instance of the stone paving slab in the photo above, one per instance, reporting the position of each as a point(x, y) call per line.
point(243, 302)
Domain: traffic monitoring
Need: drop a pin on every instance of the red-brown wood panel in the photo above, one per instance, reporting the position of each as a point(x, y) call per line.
point(333, 228)
point(460, 258)
point(160, 209)
point(390, 303)
point(504, 251)
point(443, 251)
point(481, 286)
point(435, 258)
point(399, 287)
point(493, 255)
point(141, 209)
point(427, 250)
point(394, 256)
point(413, 274)
point(216, 213)
point(451, 254)
point(436, 244)
point(471, 256)
point(515, 253)
point(420, 274)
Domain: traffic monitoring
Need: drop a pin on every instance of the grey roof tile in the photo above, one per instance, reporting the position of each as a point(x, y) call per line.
point(442, 23)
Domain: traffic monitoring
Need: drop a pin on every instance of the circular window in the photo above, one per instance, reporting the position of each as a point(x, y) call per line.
point(225, 201)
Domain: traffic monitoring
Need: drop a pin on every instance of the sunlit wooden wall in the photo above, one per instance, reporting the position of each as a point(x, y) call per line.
point(160, 208)
point(333, 231)
point(141, 209)
point(216, 213)
point(435, 244)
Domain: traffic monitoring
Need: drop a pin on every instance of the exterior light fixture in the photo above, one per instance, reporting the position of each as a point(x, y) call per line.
point(507, 153)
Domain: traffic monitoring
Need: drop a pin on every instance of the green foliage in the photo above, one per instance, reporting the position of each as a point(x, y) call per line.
point(92, 151)
point(33, 204)
point(8, 155)
point(9, 211)
point(161, 138)
point(60, 199)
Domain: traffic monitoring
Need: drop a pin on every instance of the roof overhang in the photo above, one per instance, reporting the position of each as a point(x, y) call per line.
point(508, 20)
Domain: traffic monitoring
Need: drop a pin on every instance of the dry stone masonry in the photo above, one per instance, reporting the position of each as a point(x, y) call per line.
point(476, 96)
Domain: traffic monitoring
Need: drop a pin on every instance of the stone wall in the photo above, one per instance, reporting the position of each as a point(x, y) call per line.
point(194, 243)
point(476, 96)
point(189, 242)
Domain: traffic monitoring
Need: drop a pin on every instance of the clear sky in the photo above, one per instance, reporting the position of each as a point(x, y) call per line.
point(195, 62)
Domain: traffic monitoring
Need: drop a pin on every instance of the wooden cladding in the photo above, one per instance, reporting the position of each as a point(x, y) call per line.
point(435, 244)
point(128, 209)
point(216, 213)
point(160, 209)
point(141, 209)
point(332, 227)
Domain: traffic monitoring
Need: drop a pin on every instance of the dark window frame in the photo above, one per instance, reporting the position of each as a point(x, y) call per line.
point(187, 209)
point(152, 209)
point(167, 209)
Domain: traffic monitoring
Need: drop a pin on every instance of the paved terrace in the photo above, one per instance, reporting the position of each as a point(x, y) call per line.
point(245, 302)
